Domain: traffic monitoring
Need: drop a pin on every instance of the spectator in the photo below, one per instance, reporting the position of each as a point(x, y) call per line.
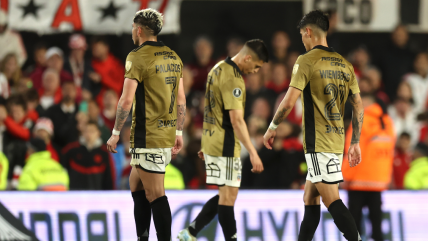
point(262, 109)
point(10, 41)
point(4, 86)
point(18, 124)
point(79, 67)
point(4, 169)
point(173, 178)
point(187, 81)
point(54, 60)
point(295, 115)
point(108, 114)
point(403, 115)
point(203, 48)
point(280, 44)
point(44, 131)
point(402, 159)
point(360, 59)
point(291, 60)
point(50, 93)
point(332, 39)
point(122, 159)
point(10, 68)
point(94, 116)
point(266, 72)
point(39, 53)
point(418, 82)
point(41, 172)
point(33, 103)
point(366, 181)
point(13, 148)
point(24, 84)
point(396, 60)
point(255, 89)
point(88, 162)
point(416, 177)
point(63, 116)
point(233, 46)
point(375, 77)
point(279, 82)
point(109, 71)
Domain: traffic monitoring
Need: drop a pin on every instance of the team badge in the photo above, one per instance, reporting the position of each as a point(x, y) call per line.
point(128, 66)
point(295, 68)
point(237, 92)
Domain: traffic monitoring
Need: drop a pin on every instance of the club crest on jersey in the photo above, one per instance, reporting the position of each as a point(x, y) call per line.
point(295, 68)
point(128, 66)
point(237, 92)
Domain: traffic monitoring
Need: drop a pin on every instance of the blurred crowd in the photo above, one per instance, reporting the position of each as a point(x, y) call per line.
point(57, 114)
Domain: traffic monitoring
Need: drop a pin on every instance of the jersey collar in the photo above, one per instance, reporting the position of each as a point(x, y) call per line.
point(324, 48)
point(153, 43)
point(229, 61)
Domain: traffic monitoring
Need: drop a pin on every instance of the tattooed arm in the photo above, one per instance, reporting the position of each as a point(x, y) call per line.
point(357, 117)
point(282, 112)
point(181, 116)
point(354, 152)
point(123, 109)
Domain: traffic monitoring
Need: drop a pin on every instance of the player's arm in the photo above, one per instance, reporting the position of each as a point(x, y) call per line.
point(122, 112)
point(282, 112)
point(181, 116)
point(354, 153)
point(241, 131)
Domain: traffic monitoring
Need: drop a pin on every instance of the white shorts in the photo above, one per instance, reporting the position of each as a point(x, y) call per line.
point(324, 167)
point(152, 160)
point(223, 170)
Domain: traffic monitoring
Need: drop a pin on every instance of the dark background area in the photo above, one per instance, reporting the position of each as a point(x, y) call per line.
point(225, 19)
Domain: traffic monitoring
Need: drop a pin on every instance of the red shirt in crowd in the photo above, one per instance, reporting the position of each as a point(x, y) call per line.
point(37, 75)
point(57, 96)
point(21, 130)
point(200, 74)
point(402, 161)
point(278, 88)
point(112, 74)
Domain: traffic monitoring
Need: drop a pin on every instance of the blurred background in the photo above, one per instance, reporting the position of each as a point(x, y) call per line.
point(61, 75)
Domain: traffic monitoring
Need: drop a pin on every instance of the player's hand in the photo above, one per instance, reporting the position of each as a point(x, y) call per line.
point(354, 155)
point(257, 163)
point(268, 138)
point(201, 155)
point(112, 143)
point(178, 145)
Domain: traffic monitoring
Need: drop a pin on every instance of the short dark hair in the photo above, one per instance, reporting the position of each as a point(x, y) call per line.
point(32, 95)
point(151, 19)
point(259, 47)
point(99, 39)
point(91, 122)
point(405, 135)
point(17, 100)
point(317, 18)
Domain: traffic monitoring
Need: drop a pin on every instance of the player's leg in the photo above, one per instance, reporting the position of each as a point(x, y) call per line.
point(374, 202)
point(142, 209)
point(312, 214)
point(327, 174)
point(356, 201)
point(226, 212)
point(341, 215)
point(207, 214)
point(155, 193)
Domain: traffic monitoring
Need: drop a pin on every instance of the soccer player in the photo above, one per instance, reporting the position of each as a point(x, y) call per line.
point(324, 79)
point(223, 130)
point(154, 88)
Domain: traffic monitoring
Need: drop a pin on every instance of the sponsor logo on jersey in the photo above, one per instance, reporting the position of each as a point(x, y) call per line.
point(167, 123)
point(335, 130)
point(237, 92)
point(128, 66)
point(295, 68)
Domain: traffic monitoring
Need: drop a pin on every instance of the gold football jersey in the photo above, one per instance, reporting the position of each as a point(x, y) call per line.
point(326, 80)
point(158, 70)
point(225, 91)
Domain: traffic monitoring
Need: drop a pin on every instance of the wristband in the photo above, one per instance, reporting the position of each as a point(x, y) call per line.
point(272, 126)
point(178, 133)
point(115, 132)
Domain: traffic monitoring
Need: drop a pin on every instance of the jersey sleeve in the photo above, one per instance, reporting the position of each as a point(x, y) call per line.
point(301, 73)
point(353, 84)
point(134, 67)
point(232, 93)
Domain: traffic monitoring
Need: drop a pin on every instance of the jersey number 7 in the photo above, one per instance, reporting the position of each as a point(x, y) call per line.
point(172, 80)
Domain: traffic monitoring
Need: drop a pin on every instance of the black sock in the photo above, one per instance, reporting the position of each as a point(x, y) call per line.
point(226, 217)
point(344, 220)
point(162, 218)
point(142, 214)
point(310, 222)
point(207, 214)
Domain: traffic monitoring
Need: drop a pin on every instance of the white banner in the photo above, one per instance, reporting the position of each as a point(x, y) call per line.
point(91, 16)
point(260, 215)
point(371, 15)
